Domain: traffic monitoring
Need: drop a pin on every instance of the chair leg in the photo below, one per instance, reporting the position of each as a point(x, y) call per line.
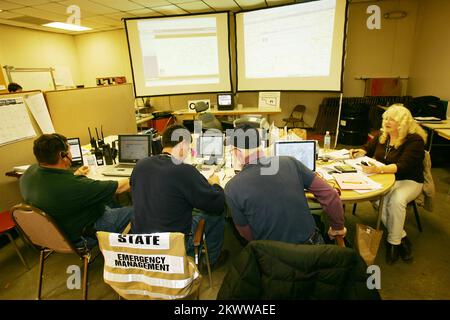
point(354, 209)
point(416, 213)
point(85, 276)
point(17, 250)
point(208, 265)
point(41, 271)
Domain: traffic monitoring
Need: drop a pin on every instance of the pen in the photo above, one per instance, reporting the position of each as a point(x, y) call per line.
point(353, 182)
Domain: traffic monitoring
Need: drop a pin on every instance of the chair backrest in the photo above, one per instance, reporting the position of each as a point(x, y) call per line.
point(209, 121)
point(148, 266)
point(40, 229)
point(298, 111)
point(255, 121)
point(273, 270)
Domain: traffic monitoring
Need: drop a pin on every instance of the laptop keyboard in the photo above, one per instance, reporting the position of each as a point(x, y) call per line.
point(125, 166)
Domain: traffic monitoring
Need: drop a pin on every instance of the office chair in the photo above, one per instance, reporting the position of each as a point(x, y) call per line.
point(296, 116)
point(274, 270)
point(255, 121)
point(209, 121)
point(6, 225)
point(42, 231)
point(175, 277)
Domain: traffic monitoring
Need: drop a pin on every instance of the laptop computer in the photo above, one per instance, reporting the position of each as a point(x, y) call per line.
point(75, 150)
point(303, 150)
point(132, 148)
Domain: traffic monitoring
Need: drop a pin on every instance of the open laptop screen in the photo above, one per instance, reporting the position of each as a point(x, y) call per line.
point(133, 148)
point(75, 150)
point(304, 151)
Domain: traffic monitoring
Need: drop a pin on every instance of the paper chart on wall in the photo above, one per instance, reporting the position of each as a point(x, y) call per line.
point(15, 122)
point(38, 107)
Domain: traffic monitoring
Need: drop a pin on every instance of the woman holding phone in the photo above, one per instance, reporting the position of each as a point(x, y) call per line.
point(400, 146)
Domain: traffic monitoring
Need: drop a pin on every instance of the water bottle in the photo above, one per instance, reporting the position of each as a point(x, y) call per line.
point(327, 141)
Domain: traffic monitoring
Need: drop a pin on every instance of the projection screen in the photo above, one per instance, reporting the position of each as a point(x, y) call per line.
point(179, 54)
point(292, 47)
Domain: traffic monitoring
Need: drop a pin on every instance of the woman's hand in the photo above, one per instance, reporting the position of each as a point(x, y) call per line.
point(356, 153)
point(371, 168)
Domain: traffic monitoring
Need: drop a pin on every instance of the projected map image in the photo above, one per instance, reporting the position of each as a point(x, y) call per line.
point(179, 52)
point(289, 42)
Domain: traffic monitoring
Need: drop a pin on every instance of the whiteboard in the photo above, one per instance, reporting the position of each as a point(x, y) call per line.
point(16, 123)
point(33, 80)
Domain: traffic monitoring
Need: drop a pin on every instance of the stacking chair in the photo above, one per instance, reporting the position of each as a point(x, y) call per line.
point(153, 266)
point(296, 117)
point(6, 225)
point(42, 231)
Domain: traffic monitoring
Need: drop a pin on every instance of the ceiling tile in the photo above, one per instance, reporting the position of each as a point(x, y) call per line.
point(120, 15)
point(251, 4)
point(89, 6)
point(54, 7)
point(123, 5)
point(6, 5)
point(196, 6)
point(32, 12)
point(169, 10)
point(9, 15)
point(102, 19)
point(143, 13)
point(152, 3)
point(30, 3)
point(179, 1)
point(223, 5)
point(279, 2)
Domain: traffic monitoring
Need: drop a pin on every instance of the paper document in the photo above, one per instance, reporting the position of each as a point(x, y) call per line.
point(354, 181)
point(427, 119)
point(15, 122)
point(38, 108)
point(21, 168)
point(357, 163)
point(338, 154)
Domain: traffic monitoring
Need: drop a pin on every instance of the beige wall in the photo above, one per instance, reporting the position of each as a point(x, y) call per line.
point(25, 48)
point(385, 52)
point(430, 65)
point(103, 54)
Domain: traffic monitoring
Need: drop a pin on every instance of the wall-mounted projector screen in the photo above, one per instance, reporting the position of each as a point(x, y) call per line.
point(179, 54)
point(292, 47)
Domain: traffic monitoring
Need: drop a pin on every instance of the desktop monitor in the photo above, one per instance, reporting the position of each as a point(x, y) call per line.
point(133, 148)
point(211, 146)
point(304, 151)
point(75, 150)
point(225, 101)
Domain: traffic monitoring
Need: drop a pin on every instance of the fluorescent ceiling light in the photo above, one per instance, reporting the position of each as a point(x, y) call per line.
point(66, 26)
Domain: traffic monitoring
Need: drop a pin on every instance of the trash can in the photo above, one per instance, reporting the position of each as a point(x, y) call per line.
point(353, 124)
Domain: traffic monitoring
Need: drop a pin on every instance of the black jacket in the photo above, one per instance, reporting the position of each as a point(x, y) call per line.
point(275, 270)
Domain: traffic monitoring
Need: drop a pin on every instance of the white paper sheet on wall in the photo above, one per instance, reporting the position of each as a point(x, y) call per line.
point(269, 100)
point(38, 107)
point(15, 122)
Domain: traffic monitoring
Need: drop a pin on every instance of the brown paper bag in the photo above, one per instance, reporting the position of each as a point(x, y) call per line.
point(367, 242)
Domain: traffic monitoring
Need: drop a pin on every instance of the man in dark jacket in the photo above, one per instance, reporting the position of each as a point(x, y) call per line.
point(267, 198)
point(165, 192)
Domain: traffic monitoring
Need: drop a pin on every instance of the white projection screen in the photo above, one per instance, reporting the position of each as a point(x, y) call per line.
point(292, 47)
point(179, 54)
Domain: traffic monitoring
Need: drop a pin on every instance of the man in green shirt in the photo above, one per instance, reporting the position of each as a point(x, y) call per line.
point(74, 201)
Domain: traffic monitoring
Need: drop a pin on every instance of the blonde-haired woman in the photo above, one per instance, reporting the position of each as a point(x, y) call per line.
point(400, 146)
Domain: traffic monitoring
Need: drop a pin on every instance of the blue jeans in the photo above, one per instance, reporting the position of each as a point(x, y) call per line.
point(214, 232)
point(112, 220)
